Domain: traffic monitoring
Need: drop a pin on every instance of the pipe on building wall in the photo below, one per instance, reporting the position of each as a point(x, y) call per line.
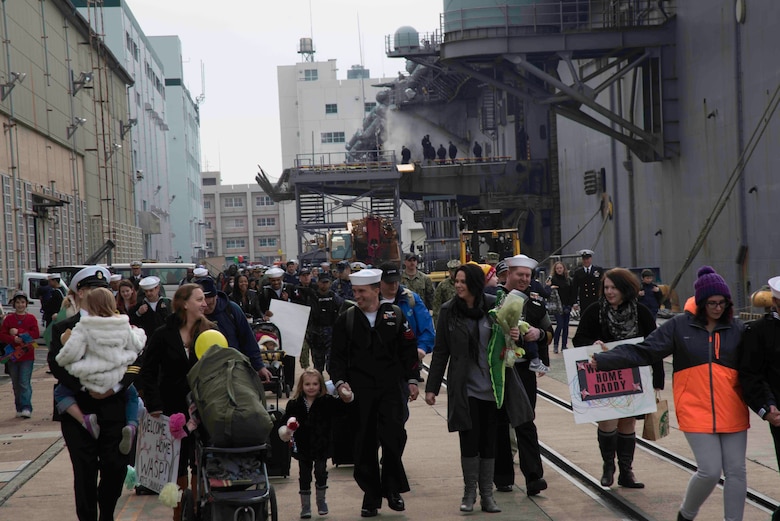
point(17, 212)
point(743, 288)
point(73, 156)
point(614, 165)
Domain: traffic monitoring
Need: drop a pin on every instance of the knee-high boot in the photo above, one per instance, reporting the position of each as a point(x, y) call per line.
point(322, 505)
point(626, 444)
point(305, 503)
point(486, 469)
point(608, 446)
point(182, 482)
point(470, 467)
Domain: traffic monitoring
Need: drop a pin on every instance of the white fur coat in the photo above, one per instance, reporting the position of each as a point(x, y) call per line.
point(100, 349)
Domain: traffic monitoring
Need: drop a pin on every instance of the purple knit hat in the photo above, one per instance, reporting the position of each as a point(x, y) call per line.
point(708, 284)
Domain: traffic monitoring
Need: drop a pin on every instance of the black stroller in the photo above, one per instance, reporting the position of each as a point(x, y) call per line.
point(273, 359)
point(232, 485)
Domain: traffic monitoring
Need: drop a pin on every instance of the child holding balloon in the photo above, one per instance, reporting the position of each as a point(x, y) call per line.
point(98, 352)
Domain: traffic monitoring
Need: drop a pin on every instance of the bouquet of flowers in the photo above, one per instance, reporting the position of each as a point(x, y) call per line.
point(509, 316)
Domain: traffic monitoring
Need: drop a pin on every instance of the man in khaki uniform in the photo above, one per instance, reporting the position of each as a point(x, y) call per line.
point(445, 290)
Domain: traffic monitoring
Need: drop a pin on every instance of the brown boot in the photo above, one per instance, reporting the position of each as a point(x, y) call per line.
point(182, 482)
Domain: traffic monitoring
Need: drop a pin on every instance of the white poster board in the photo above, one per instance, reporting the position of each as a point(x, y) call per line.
point(157, 453)
point(292, 320)
point(607, 395)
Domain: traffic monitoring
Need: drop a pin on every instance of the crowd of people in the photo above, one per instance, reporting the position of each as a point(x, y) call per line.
point(369, 330)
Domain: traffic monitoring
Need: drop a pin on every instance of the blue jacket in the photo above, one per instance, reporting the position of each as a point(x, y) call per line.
point(418, 316)
point(232, 323)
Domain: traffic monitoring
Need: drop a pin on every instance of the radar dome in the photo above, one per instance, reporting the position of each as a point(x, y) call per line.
point(406, 37)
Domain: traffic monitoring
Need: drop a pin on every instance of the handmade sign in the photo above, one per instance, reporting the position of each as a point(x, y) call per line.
point(288, 317)
point(607, 395)
point(157, 453)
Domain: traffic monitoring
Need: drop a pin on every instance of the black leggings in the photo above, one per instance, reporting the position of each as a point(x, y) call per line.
point(480, 440)
point(320, 467)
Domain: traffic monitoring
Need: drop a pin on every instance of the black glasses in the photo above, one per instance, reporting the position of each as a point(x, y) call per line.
point(712, 304)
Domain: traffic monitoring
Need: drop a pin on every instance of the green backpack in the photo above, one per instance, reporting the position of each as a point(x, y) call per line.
point(230, 399)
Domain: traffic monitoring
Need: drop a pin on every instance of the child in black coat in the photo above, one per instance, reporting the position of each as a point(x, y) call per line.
point(306, 424)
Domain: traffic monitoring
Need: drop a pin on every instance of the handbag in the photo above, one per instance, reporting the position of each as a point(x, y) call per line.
point(554, 305)
point(657, 423)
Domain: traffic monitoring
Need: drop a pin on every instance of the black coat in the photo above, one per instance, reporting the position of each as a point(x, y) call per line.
point(759, 369)
point(452, 350)
point(249, 305)
point(164, 374)
point(591, 329)
point(565, 289)
point(152, 319)
point(586, 285)
point(313, 436)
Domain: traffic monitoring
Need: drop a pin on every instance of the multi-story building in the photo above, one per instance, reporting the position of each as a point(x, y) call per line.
point(240, 221)
point(66, 180)
point(319, 113)
point(144, 132)
point(182, 115)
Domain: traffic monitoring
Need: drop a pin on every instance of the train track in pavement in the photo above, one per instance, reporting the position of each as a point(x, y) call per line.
point(610, 498)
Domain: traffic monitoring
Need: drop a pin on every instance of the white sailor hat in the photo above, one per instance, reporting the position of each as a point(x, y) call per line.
point(365, 277)
point(200, 272)
point(54, 276)
point(116, 277)
point(357, 266)
point(520, 261)
point(135, 264)
point(774, 285)
point(90, 277)
point(149, 282)
point(586, 253)
point(275, 273)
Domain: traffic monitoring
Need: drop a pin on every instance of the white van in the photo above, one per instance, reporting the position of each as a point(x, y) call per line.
point(170, 273)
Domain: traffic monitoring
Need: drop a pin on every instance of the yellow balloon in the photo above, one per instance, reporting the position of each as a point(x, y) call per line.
point(207, 339)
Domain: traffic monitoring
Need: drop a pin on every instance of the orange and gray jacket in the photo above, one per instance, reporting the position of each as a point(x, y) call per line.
point(707, 393)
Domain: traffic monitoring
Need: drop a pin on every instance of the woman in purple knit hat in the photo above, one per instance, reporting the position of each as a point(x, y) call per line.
point(707, 397)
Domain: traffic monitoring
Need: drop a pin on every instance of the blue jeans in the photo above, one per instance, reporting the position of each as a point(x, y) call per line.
point(21, 376)
point(562, 327)
point(64, 398)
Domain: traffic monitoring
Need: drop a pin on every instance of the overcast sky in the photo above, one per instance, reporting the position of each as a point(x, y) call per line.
point(241, 42)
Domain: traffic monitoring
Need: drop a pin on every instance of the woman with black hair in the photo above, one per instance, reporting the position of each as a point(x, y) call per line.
point(462, 335)
point(247, 299)
point(708, 400)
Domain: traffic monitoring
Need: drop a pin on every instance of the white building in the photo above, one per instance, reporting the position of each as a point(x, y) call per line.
point(163, 129)
point(319, 113)
point(183, 144)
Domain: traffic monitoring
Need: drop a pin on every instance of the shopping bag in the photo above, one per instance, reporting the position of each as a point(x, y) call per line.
point(657, 423)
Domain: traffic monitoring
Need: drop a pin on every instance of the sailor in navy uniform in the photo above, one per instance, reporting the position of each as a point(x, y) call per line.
point(587, 280)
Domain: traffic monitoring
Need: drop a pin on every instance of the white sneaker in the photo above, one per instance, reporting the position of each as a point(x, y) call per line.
point(26, 413)
point(538, 367)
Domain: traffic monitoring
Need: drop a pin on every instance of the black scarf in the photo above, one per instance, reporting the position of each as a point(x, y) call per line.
point(475, 314)
point(623, 322)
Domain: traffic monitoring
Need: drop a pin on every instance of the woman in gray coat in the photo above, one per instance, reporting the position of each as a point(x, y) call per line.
point(462, 335)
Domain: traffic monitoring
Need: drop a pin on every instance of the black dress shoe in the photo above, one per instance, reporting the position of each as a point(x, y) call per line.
point(534, 487)
point(369, 512)
point(396, 502)
point(504, 488)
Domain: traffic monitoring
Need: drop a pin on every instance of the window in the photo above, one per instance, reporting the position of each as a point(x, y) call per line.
point(331, 108)
point(234, 223)
point(310, 75)
point(207, 204)
point(209, 181)
point(332, 137)
point(266, 221)
point(266, 242)
point(233, 244)
point(210, 245)
point(263, 200)
point(234, 202)
point(208, 225)
point(368, 107)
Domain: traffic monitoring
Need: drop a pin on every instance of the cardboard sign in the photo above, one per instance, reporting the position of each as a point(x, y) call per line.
point(607, 395)
point(157, 453)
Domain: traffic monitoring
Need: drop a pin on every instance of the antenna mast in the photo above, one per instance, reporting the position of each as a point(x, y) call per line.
point(202, 96)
